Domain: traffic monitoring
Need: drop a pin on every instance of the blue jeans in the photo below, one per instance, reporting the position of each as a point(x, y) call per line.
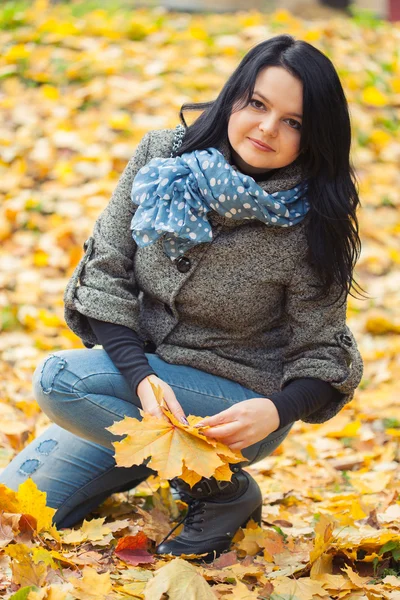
point(83, 393)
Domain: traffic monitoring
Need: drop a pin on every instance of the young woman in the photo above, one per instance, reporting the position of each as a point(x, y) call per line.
point(219, 270)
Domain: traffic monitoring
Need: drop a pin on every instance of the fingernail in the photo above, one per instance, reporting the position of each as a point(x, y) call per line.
point(199, 425)
point(184, 420)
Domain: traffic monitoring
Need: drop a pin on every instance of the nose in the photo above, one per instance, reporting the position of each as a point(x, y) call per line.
point(269, 126)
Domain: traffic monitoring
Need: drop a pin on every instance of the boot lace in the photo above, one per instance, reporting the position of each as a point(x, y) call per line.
point(190, 520)
point(193, 516)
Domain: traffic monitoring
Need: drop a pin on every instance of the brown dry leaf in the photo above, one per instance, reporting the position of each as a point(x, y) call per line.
point(156, 524)
point(9, 527)
point(180, 581)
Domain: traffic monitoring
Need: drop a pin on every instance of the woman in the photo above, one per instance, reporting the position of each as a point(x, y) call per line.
point(219, 270)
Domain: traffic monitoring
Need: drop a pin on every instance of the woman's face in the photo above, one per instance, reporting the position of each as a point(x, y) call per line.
point(273, 117)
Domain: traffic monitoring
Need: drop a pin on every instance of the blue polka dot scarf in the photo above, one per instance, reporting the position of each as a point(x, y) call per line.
point(174, 196)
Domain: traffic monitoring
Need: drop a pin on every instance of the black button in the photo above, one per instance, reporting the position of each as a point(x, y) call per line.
point(149, 347)
point(183, 264)
point(346, 339)
point(168, 309)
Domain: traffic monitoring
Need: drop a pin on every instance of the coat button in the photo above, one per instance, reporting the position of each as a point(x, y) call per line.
point(183, 264)
point(168, 309)
point(149, 347)
point(346, 339)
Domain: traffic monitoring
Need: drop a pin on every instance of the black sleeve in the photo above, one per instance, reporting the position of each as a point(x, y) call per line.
point(125, 349)
point(301, 397)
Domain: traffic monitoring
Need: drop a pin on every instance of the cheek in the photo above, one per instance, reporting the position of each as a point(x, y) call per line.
point(233, 128)
point(293, 144)
point(237, 127)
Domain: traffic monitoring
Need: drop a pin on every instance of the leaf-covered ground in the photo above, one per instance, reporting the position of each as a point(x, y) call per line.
point(78, 90)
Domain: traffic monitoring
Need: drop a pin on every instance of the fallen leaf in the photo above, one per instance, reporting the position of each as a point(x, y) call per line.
point(92, 586)
point(180, 581)
point(133, 549)
point(92, 531)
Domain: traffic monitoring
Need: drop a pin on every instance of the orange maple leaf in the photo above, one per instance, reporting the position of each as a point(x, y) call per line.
point(133, 549)
point(140, 541)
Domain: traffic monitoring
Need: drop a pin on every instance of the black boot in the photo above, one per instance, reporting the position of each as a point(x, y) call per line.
point(216, 510)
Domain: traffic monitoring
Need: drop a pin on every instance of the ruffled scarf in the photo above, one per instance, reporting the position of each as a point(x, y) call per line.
point(174, 196)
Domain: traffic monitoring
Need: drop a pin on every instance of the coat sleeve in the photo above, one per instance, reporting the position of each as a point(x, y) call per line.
point(103, 284)
point(321, 345)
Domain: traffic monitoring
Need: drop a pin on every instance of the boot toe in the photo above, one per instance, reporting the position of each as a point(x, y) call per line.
point(176, 547)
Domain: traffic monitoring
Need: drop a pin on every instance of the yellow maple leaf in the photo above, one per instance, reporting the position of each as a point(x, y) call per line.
point(301, 589)
point(48, 593)
point(368, 482)
point(8, 499)
point(91, 586)
point(180, 580)
point(323, 536)
point(253, 539)
point(24, 569)
point(175, 449)
point(31, 501)
point(90, 531)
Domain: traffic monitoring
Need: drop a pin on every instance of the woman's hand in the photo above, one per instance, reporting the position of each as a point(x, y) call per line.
point(149, 401)
point(243, 424)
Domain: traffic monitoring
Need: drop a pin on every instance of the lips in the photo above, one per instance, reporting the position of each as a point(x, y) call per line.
point(261, 145)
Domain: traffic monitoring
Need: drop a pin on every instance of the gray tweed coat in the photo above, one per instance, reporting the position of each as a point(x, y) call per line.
point(236, 307)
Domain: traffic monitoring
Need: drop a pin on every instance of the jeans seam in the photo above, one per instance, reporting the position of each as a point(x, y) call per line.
point(86, 397)
point(92, 375)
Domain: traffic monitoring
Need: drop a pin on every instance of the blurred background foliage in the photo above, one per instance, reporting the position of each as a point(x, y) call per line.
point(80, 84)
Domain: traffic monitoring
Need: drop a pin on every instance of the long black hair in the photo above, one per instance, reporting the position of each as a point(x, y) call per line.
point(332, 227)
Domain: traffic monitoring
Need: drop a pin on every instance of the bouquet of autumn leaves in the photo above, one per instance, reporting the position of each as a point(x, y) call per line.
point(174, 449)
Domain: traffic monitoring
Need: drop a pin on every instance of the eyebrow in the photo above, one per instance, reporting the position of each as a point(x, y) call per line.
point(268, 101)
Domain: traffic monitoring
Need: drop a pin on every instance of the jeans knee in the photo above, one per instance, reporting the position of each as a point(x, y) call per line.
point(45, 376)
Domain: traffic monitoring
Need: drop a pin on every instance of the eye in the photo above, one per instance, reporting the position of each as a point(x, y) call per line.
point(253, 101)
point(293, 124)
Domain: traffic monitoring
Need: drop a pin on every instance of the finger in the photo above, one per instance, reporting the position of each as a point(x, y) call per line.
point(222, 432)
point(224, 416)
point(237, 445)
point(156, 412)
point(175, 407)
point(152, 407)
